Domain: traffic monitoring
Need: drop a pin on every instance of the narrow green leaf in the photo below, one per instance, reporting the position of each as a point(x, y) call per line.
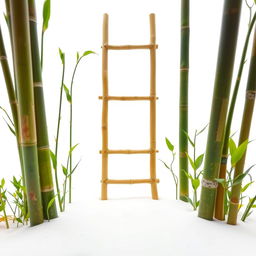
point(191, 161)
point(221, 181)
point(65, 171)
point(169, 145)
point(88, 52)
point(165, 164)
point(232, 146)
point(190, 201)
point(62, 56)
point(73, 148)
point(50, 203)
point(2, 182)
point(54, 160)
point(68, 96)
point(238, 153)
point(199, 161)
point(46, 14)
point(77, 56)
point(10, 128)
point(195, 183)
point(246, 186)
point(238, 179)
point(189, 139)
point(198, 133)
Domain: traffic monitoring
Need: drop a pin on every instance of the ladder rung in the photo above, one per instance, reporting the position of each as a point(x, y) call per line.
point(124, 98)
point(136, 181)
point(128, 151)
point(130, 47)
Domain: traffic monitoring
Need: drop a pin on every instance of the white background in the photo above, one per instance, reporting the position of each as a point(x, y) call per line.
point(77, 26)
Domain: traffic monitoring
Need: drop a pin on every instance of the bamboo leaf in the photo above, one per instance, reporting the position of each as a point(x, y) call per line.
point(65, 171)
point(246, 186)
point(195, 183)
point(238, 179)
point(232, 146)
point(10, 128)
point(68, 96)
point(189, 139)
point(238, 153)
point(73, 148)
point(199, 161)
point(165, 164)
point(87, 53)
point(46, 14)
point(191, 161)
point(2, 182)
point(54, 160)
point(221, 181)
point(77, 56)
point(189, 200)
point(50, 203)
point(169, 144)
point(62, 56)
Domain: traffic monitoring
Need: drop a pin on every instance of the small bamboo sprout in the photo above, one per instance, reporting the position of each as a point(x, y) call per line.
point(244, 134)
point(26, 112)
point(44, 159)
point(183, 125)
point(226, 55)
point(219, 204)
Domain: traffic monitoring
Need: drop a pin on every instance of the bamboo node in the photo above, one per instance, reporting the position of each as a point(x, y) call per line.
point(47, 189)
point(209, 183)
point(32, 18)
point(224, 160)
point(3, 57)
point(43, 148)
point(38, 84)
point(250, 95)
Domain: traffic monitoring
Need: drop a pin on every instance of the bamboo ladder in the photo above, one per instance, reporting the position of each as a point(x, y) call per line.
point(152, 99)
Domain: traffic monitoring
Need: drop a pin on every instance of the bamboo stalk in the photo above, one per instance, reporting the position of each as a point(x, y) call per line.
point(134, 181)
point(105, 108)
point(128, 151)
point(183, 118)
point(44, 159)
point(219, 204)
point(130, 47)
point(224, 70)
point(128, 98)
point(244, 134)
point(153, 106)
point(26, 115)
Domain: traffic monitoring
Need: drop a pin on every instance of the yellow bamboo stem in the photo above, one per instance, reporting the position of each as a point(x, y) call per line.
point(104, 108)
point(136, 181)
point(128, 151)
point(153, 106)
point(130, 47)
point(128, 98)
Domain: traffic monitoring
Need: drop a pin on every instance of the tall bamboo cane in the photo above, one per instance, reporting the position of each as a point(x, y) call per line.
point(183, 123)
point(44, 159)
point(226, 55)
point(26, 112)
point(219, 204)
point(244, 134)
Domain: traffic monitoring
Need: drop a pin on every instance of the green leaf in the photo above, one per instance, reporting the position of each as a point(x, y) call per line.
point(189, 139)
point(191, 161)
point(65, 171)
point(54, 160)
point(246, 186)
point(238, 153)
point(19, 220)
point(77, 56)
point(10, 128)
point(190, 201)
point(221, 181)
point(74, 168)
point(232, 146)
point(68, 96)
point(195, 183)
point(169, 144)
point(49, 205)
point(199, 161)
point(87, 53)
point(46, 14)
point(62, 56)
point(2, 182)
point(238, 179)
point(72, 149)
point(188, 175)
point(165, 164)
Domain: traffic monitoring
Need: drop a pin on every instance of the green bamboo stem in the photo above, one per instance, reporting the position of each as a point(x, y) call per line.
point(224, 70)
point(58, 133)
point(244, 134)
point(44, 159)
point(26, 116)
point(219, 204)
point(183, 122)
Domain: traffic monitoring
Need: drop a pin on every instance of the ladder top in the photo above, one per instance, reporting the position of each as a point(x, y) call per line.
point(130, 47)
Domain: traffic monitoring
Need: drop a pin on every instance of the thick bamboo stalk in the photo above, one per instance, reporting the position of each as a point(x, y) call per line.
point(153, 106)
point(130, 47)
point(183, 117)
point(104, 108)
point(128, 98)
point(128, 151)
point(44, 159)
point(225, 63)
point(244, 134)
point(26, 113)
point(219, 204)
point(136, 181)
